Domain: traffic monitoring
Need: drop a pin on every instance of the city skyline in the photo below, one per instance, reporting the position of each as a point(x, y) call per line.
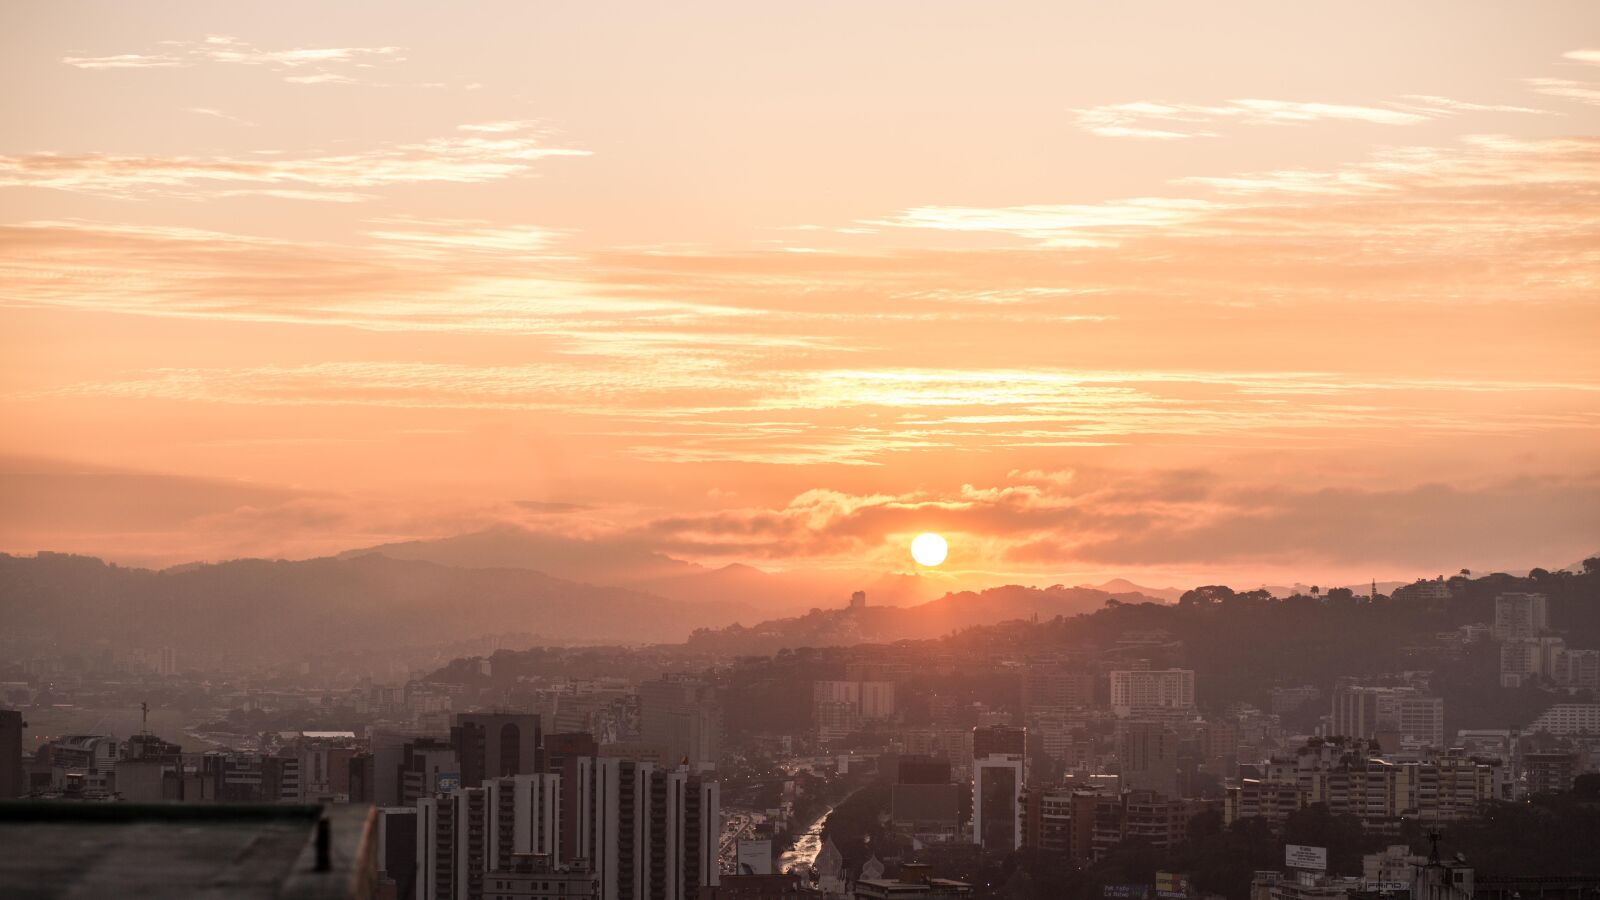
point(1248, 295)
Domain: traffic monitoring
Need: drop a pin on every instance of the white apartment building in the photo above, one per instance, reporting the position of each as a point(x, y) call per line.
point(1147, 690)
point(1520, 616)
point(1523, 659)
point(1569, 718)
point(1365, 711)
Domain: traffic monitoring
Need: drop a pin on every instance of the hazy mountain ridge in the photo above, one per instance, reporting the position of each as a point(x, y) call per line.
point(882, 624)
point(263, 609)
point(625, 563)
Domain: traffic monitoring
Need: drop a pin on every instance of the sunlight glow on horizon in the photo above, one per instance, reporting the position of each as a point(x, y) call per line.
point(292, 285)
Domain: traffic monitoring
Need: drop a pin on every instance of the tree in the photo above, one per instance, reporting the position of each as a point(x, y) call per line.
point(1591, 566)
point(1206, 595)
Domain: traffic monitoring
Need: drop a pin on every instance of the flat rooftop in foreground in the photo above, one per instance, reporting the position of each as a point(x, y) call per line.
point(74, 849)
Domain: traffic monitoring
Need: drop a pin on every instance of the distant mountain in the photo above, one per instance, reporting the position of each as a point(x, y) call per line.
point(259, 610)
point(766, 593)
point(1124, 586)
point(625, 563)
point(879, 624)
point(571, 558)
point(1363, 589)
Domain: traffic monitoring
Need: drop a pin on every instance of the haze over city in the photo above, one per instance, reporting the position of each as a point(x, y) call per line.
point(1094, 293)
point(926, 450)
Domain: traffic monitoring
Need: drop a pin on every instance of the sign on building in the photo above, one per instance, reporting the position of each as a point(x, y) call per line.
point(1172, 885)
point(1300, 856)
point(1125, 891)
point(755, 857)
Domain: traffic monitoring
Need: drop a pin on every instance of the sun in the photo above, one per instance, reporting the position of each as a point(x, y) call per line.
point(929, 549)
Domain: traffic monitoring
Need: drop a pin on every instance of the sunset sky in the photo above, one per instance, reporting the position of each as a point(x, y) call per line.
point(1180, 292)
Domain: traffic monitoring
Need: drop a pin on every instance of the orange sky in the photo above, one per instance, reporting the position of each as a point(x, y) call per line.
point(1175, 291)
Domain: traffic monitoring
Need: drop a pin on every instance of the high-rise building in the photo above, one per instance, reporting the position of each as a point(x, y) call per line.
point(534, 877)
point(495, 745)
point(1346, 776)
point(1138, 691)
point(1550, 773)
point(1520, 616)
point(10, 754)
point(840, 706)
point(997, 810)
point(1148, 755)
point(427, 767)
point(835, 719)
point(565, 748)
point(387, 747)
point(442, 838)
point(1576, 668)
point(1088, 823)
point(1048, 688)
point(877, 700)
point(650, 834)
point(1047, 821)
point(561, 754)
point(463, 835)
point(1569, 718)
point(1524, 659)
point(683, 717)
point(1404, 715)
point(923, 802)
point(397, 851)
point(525, 817)
point(988, 740)
point(362, 777)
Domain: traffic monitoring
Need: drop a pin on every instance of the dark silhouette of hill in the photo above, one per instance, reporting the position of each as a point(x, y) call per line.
point(624, 563)
point(261, 610)
point(882, 624)
point(560, 556)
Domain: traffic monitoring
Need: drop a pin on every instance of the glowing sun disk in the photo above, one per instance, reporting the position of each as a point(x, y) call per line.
point(929, 549)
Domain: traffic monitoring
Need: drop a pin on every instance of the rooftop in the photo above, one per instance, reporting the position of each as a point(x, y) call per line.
point(130, 850)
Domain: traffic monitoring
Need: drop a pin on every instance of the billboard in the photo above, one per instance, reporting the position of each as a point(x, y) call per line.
point(447, 782)
point(1125, 891)
point(755, 857)
point(1172, 885)
point(1300, 856)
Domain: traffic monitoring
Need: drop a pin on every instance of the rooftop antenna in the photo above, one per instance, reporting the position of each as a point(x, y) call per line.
point(144, 718)
point(1433, 851)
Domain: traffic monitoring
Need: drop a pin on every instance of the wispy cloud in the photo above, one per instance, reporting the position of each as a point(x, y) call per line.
point(1083, 225)
point(1429, 192)
point(219, 114)
point(330, 64)
point(128, 61)
point(706, 407)
point(1567, 89)
point(443, 238)
point(1100, 517)
point(1178, 121)
point(1066, 337)
point(466, 157)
